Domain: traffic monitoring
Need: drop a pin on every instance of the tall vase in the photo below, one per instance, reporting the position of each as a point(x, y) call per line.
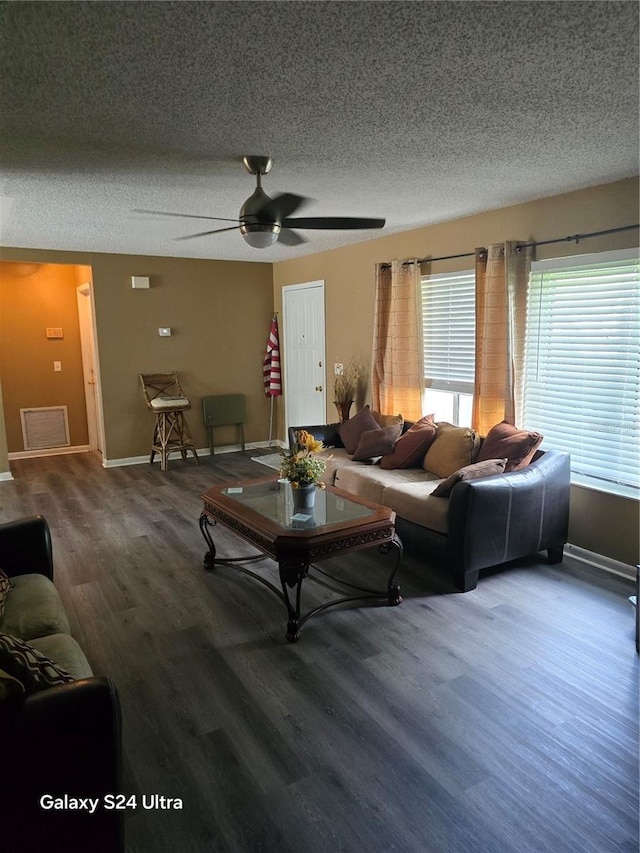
point(304, 497)
point(343, 409)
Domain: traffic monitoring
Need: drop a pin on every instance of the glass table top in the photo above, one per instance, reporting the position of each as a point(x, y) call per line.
point(274, 500)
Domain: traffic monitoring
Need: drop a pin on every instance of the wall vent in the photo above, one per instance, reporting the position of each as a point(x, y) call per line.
point(45, 427)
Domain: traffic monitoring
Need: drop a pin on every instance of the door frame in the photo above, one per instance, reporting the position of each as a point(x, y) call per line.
point(90, 363)
point(287, 289)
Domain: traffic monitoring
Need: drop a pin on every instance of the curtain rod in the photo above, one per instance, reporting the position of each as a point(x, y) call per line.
point(574, 237)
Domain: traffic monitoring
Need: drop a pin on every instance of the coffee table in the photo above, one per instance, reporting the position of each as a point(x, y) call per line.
point(261, 512)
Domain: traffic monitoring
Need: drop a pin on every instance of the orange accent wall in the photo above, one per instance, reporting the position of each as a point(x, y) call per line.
point(34, 297)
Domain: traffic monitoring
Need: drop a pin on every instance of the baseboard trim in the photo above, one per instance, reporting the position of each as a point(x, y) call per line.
point(49, 451)
point(599, 561)
point(5, 476)
point(201, 451)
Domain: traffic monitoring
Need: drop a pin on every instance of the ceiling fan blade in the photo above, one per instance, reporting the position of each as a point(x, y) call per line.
point(291, 238)
point(206, 233)
point(184, 215)
point(280, 206)
point(333, 223)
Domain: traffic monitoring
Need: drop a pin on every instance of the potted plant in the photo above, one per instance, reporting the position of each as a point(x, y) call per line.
point(345, 388)
point(303, 469)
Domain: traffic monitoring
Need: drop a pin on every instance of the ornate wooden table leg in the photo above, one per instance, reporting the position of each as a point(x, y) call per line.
point(393, 588)
point(209, 560)
point(292, 574)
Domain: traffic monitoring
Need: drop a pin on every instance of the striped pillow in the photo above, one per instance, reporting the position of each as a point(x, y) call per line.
point(35, 671)
point(5, 586)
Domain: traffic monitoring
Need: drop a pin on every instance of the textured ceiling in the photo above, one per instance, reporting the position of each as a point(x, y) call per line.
point(415, 111)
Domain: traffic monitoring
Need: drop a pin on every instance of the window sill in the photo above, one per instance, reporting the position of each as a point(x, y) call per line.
point(616, 489)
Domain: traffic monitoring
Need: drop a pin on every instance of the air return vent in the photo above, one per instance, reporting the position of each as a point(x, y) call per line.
point(44, 428)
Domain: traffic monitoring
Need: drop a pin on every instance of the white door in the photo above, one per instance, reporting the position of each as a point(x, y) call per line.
point(85, 315)
point(304, 348)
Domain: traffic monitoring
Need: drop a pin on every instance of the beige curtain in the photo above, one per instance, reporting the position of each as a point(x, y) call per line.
point(502, 277)
point(397, 375)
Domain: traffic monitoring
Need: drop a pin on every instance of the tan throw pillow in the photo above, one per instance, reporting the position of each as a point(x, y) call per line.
point(351, 430)
point(469, 472)
point(377, 442)
point(411, 447)
point(387, 420)
point(5, 586)
point(454, 447)
point(518, 445)
point(31, 668)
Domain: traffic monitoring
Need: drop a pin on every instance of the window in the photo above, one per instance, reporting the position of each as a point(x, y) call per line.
point(448, 326)
point(582, 365)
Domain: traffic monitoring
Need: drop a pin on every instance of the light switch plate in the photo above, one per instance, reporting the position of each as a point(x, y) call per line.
point(164, 332)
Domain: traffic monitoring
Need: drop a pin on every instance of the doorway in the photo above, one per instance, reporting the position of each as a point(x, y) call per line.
point(89, 371)
point(47, 343)
point(304, 353)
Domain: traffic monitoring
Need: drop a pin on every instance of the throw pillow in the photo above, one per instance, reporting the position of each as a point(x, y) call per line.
point(32, 669)
point(351, 430)
point(5, 586)
point(387, 420)
point(377, 442)
point(518, 445)
point(411, 447)
point(469, 472)
point(453, 448)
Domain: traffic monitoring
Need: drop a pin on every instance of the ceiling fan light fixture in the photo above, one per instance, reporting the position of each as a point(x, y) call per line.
point(260, 236)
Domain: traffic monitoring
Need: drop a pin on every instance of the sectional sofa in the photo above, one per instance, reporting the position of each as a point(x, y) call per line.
point(455, 504)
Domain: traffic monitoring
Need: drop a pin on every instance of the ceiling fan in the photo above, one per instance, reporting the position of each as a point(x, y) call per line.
point(264, 220)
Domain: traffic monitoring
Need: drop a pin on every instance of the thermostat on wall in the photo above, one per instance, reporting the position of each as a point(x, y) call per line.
point(140, 282)
point(164, 332)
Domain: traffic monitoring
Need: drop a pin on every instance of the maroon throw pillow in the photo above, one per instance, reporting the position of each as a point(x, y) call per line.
point(411, 447)
point(505, 440)
point(377, 442)
point(475, 471)
point(351, 430)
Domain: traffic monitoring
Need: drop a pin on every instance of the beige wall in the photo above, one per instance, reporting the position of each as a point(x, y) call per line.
point(349, 275)
point(35, 297)
point(219, 313)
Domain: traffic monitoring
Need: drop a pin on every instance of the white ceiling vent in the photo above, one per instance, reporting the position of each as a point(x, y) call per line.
point(45, 427)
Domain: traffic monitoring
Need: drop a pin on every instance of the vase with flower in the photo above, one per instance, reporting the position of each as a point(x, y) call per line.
point(303, 469)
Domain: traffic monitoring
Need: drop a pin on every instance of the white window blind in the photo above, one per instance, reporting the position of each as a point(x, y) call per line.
point(448, 327)
point(582, 364)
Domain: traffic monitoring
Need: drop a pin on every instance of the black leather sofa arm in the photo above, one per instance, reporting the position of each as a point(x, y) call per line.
point(25, 547)
point(507, 516)
point(65, 740)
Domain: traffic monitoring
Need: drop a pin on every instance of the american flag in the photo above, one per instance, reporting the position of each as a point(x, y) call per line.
point(271, 363)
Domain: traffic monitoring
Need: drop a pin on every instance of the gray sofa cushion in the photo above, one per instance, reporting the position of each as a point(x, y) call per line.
point(33, 609)
point(371, 481)
point(415, 502)
point(65, 651)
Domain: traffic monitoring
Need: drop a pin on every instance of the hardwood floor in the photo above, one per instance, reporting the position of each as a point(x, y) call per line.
point(503, 720)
